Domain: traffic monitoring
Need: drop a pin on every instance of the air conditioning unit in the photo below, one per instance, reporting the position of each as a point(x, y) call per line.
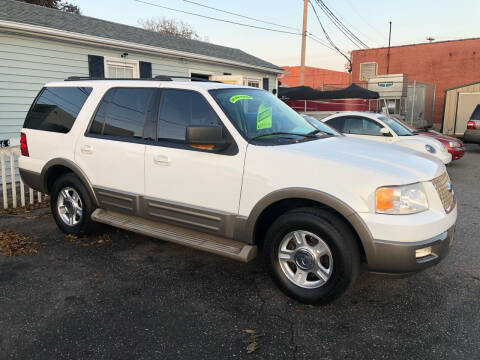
point(389, 86)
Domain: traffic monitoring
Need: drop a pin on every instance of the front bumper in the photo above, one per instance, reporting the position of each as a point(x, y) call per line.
point(457, 152)
point(445, 157)
point(401, 258)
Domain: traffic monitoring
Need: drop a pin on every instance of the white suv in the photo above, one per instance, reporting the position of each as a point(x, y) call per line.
point(229, 169)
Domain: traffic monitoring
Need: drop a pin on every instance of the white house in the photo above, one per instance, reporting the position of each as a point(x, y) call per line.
point(39, 45)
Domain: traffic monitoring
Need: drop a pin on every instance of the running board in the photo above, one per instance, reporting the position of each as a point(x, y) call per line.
point(191, 238)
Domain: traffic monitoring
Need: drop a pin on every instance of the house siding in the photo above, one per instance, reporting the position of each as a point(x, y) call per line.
point(28, 62)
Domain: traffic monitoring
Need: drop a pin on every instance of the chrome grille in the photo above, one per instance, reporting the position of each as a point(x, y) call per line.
point(445, 191)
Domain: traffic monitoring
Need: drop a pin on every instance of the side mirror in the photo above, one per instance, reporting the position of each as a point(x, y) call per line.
point(385, 132)
point(206, 138)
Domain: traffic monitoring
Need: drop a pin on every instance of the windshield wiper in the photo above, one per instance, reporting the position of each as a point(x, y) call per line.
point(316, 131)
point(309, 135)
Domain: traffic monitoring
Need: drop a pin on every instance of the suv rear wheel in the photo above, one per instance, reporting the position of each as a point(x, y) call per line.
point(72, 206)
point(312, 255)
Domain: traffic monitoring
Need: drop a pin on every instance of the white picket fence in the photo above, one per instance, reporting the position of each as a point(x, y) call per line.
point(8, 167)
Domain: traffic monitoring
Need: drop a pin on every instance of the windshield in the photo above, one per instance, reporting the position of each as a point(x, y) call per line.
point(257, 114)
point(395, 125)
point(321, 125)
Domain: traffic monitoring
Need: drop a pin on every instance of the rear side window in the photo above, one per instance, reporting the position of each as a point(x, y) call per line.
point(56, 108)
point(123, 112)
point(181, 108)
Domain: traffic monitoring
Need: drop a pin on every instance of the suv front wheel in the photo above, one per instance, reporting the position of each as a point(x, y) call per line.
point(312, 255)
point(72, 206)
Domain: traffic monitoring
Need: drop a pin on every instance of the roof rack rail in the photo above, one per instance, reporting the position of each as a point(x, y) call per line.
point(156, 78)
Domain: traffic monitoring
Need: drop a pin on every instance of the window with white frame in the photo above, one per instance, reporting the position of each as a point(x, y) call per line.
point(254, 82)
point(368, 70)
point(121, 68)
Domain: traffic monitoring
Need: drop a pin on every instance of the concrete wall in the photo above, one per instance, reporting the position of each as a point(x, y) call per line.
point(27, 63)
point(446, 64)
point(314, 77)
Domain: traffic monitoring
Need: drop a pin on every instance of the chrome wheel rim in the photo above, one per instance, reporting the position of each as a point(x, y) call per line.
point(69, 206)
point(305, 259)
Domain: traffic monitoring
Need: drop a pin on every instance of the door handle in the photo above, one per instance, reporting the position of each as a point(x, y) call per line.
point(86, 149)
point(161, 160)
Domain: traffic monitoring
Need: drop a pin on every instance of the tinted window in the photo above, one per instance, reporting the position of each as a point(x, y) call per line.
point(122, 112)
point(181, 108)
point(56, 109)
point(337, 123)
point(361, 126)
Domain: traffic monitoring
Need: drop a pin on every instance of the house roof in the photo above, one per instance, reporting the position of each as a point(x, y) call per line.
point(462, 86)
point(24, 13)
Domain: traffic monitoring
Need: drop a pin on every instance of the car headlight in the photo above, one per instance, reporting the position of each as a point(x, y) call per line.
point(453, 144)
point(405, 199)
point(430, 149)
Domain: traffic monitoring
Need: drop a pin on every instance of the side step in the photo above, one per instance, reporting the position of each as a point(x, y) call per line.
point(191, 238)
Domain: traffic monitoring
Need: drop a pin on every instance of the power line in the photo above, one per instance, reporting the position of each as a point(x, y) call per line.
point(235, 14)
point(217, 19)
point(326, 34)
point(364, 20)
point(340, 25)
point(359, 31)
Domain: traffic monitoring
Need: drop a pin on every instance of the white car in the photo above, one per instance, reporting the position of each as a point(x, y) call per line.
point(386, 129)
point(230, 170)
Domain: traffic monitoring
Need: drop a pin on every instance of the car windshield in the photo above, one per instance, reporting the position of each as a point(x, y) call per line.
point(395, 125)
point(259, 115)
point(324, 128)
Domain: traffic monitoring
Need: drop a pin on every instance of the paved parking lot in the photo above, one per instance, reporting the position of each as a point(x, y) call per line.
point(125, 296)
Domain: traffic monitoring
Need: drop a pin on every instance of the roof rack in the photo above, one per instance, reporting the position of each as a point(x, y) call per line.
point(156, 78)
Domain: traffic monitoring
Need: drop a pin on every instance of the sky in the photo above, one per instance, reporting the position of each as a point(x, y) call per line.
point(412, 22)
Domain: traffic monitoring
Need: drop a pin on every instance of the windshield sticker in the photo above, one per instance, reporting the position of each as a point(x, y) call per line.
point(235, 98)
point(264, 117)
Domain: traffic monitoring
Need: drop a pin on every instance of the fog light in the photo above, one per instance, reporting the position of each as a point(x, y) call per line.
point(420, 253)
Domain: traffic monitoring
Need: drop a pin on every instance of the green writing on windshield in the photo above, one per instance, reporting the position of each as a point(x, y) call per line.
point(235, 98)
point(264, 117)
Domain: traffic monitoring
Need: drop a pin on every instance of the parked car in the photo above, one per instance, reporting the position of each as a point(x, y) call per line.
point(231, 170)
point(386, 129)
point(454, 146)
point(472, 133)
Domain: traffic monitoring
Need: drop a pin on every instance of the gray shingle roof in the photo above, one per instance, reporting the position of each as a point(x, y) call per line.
point(18, 11)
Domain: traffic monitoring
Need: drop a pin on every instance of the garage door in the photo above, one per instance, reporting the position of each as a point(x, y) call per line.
point(465, 106)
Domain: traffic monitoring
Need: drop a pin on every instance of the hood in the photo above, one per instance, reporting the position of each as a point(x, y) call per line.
point(396, 165)
point(418, 142)
point(439, 137)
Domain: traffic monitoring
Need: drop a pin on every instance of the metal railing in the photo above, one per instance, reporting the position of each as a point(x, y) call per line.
point(8, 166)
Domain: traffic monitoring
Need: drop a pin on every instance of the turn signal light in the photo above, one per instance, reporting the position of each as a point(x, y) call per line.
point(471, 125)
point(384, 198)
point(23, 144)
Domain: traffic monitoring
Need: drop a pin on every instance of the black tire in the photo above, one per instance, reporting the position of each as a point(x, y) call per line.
point(85, 226)
point(335, 233)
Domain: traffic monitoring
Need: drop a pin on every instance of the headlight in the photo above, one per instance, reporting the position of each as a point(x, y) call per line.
point(430, 149)
point(406, 199)
point(453, 144)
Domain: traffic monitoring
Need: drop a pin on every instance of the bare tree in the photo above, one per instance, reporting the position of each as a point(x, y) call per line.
point(56, 4)
point(171, 27)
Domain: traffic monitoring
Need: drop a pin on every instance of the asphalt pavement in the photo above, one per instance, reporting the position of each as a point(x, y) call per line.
point(126, 296)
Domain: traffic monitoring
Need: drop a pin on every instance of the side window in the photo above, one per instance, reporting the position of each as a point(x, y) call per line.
point(362, 126)
point(56, 108)
point(337, 123)
point(123, 112)
point(181, 108)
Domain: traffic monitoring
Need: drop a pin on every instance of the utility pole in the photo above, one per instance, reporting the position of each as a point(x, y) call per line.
point(388, 53)
point(304, 41)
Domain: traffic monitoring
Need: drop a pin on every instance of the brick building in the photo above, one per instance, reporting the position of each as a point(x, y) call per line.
point(445, 63)
point(314, 77)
